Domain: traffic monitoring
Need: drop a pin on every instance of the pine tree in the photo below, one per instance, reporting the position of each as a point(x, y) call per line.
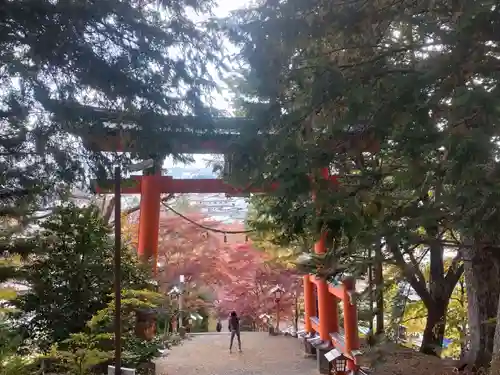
point(68, 67)
point(70, 274)
point(399, 100)
point(72, 68)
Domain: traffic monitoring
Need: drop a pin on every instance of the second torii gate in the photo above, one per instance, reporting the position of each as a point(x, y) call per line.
point(322, 321)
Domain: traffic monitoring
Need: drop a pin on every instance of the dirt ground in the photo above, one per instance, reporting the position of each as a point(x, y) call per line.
point(393, 359)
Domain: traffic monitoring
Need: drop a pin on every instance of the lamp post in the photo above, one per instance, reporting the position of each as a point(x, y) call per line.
point(175, 293)
point(117, 258)
point(278, 293)
point(181, 298)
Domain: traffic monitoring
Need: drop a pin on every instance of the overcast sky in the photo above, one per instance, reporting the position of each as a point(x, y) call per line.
point(224, 7)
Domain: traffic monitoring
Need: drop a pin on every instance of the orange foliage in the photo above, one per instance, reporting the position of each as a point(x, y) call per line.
point(237, 275)
point(186, 249)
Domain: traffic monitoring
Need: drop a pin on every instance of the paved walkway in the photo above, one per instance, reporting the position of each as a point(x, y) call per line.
point(262, 355)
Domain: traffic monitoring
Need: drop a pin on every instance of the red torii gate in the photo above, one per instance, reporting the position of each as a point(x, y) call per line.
point(322, 321)
point(150, 188)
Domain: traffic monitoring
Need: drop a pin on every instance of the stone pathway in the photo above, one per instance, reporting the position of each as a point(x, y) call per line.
point(262, 355)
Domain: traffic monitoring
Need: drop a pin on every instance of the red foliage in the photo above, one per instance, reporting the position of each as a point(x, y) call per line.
point(239, 276)
point(253, 276)
point(186, 249)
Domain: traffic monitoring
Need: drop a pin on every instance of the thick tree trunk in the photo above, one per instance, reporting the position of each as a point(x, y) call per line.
point(432, 340)
point(495, 360)
point(440, 289)
point(435, 294)
point(483, 291)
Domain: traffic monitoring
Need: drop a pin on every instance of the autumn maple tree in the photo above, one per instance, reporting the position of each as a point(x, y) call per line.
point(214, 262)
point(186, 248)
point(253, 275)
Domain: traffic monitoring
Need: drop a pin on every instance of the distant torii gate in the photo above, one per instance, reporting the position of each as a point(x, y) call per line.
point(322, 321)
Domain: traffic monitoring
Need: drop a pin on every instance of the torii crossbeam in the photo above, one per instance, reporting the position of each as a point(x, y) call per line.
point(150, 187)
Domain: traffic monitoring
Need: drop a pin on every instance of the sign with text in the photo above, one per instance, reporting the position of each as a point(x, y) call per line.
point(332, 355)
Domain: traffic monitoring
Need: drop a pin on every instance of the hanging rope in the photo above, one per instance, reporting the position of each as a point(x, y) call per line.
point(203, 226)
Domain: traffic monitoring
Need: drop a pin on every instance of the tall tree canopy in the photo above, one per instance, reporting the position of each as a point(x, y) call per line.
point(71, 68)
point(67, 66)
point(398, 99)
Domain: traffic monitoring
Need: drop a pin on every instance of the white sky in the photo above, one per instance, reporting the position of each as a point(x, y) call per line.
point(200, 161)
point(221, 101)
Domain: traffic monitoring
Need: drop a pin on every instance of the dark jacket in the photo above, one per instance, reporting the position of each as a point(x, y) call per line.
point(234, 323)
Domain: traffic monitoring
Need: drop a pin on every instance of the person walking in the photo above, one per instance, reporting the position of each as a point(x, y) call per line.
point(218, 327)
point(234, 328)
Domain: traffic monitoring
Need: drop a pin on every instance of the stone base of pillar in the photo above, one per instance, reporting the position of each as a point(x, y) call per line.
point(272, 331)
point(309, 349)
point(324, 367)
point(182, 332)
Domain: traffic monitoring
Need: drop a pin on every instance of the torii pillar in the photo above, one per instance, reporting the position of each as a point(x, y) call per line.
point(149, 217)
point(309, 304)
point(327, 303)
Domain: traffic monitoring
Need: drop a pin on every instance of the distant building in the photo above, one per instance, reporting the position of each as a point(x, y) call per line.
point(224, 209)
point(219, 207)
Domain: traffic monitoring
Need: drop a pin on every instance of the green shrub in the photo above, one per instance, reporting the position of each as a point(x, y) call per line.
point(80, 355)
point(10, 362)
point(137, 351)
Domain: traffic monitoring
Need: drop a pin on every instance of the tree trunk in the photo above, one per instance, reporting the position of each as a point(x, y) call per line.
point(434, 328)
point(436, 294)
point(462, 328)
point(296, 314)
point(441, 285)
point(379, 290)
point(483, 291)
